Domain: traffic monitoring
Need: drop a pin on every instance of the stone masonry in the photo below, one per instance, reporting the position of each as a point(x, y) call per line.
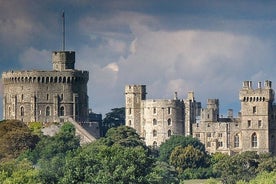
point(47, 96)
point(253, 130)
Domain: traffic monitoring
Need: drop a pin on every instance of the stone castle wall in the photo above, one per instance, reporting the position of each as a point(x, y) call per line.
point(47, 96)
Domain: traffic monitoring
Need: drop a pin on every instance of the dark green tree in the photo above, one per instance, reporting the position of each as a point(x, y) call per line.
point(15, 138)
point(114, 118)
point(238, 167)
point(167, 147)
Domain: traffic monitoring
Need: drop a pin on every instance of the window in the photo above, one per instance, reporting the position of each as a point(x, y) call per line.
point(22, 97)
point(236, 141)
point(154, 122)
point(47, 97)
point(220, 144)
point(61, 111)
point(154, 133)
point(249, 123)
point(259, 123)
point(254, 109)
point(169, 122)
point(129, 122)
point(208, 144)
point(22, 111)
point(169, 133)
point(169, 110)
point(9, 111)
point(197, 135)
point(254, 140)
point(47, 111)
point(154, 110)
point(154, 145)
point(209, 134)
point(219, 134)
point(129, 111)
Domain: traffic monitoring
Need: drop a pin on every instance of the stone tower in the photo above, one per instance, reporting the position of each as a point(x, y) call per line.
point(47, 96)
point(256, 110)
point(134, 95)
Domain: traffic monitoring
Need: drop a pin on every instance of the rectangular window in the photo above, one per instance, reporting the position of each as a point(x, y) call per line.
point(209, 134)
point(154, 110)
point(260, 123)
point(249, 123)
point(220, 144)
point(169, 110)
point(208, 144)
point(197, 135)
point(219, 134)
point(129, 111)
point(254, 109)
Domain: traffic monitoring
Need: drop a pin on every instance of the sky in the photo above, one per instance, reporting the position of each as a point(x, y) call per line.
point(207, 46)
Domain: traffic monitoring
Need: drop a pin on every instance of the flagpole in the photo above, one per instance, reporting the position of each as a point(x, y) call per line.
point(63, 31)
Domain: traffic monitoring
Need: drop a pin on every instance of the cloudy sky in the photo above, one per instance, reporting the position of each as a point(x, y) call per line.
point(209, 47)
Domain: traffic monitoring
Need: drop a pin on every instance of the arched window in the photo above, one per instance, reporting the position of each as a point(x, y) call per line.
point(154, 122)
point(236, 141)
point(154, 145)
point(47, 111)
point(22, 111)
point(61, 111)
point(169, 133)
point(254, 140)
point(129, 123)
point(169, 122)
point(154, 133)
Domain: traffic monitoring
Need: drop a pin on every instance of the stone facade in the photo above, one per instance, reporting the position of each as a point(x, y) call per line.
point(47, 96)
point(253, 130)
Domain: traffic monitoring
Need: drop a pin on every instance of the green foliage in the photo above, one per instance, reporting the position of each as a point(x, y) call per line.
point(162, 172)
point(15, 138)
point(114, 118)
point(124, 136)
point(108, 164)
point(264, 177)
point(190, 162)
point(238, 167)
point(35, 127)
point(178, 140)
point(18, 172)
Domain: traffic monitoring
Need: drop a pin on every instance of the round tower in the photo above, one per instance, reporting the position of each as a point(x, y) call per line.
point(47, 96)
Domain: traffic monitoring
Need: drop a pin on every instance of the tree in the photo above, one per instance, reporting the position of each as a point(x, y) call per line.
point(108, 164)
point(114, 118)
point(189, 162)
point(18, 172)
point(178, 140)
point(15, 138)
point(238, 167)
point(124, 136)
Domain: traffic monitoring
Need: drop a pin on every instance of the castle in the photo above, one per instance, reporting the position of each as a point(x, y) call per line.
point(47, 96)
point(253, 130)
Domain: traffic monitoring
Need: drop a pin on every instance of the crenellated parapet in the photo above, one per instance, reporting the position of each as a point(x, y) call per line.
point(15, 77)
point(259, 94)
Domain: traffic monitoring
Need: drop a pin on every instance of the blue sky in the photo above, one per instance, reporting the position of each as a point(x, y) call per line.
point(209, 47)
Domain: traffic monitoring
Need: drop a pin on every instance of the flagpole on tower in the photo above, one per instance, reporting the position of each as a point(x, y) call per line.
point(63, 31)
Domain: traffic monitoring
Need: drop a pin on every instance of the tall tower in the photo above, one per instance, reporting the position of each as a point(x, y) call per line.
point(134, 94)
point(256, 110)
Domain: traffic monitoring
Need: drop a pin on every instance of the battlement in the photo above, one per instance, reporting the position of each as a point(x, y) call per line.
point(63, 60)
point(259, 94)
point(45, 76)
point(135, 89)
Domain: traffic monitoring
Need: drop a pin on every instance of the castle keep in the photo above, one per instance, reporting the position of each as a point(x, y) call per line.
point(47, 96)
point(253, 130)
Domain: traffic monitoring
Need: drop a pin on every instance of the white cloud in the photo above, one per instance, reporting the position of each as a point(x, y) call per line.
point(35, 59)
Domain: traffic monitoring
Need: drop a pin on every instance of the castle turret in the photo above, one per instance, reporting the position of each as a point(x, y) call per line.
point(63, 60)
point(134, 95)
point(256, 108)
